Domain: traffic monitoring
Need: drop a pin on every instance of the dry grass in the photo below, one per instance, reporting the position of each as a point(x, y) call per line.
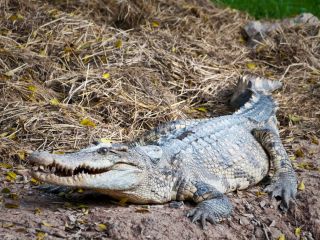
point(130, 65)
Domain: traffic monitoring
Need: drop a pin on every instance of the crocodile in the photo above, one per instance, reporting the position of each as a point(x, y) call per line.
point(199, 160)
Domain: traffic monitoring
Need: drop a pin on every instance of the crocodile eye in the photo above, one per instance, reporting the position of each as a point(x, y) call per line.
point(103, 150)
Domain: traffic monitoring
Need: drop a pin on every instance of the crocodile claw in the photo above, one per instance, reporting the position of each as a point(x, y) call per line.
point(283, 185)
point(213, 211)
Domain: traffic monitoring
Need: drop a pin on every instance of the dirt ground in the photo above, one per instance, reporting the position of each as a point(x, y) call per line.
point(28, 213)
point(75, 71)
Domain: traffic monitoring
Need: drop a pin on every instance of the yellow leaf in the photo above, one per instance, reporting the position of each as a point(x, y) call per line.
point(46, 224)
point(251, 65)
point(22, 155)
point(34, 181)
point(40, 235)
point(297, 231)
point(87, 122)
point(101, 227)
point(83, 206)
point(301, 186)
point(32, 88)
point(54, 102)
point(202, 109)
point(155, 24)
point(5, 165)
point(142, 210)
point(294, 118)
point(118, 43)
point(11, 176)
point(11, 205)
point(14, 196)
point(80, 190)
point(105, 140)
point(12, 136)
point(37, 211)
point(106, 75)
point(292, 158)
point(259, 194)
point(15, 17)
point(299, 153)
point(43, 52)
point(7, 225)
point(2, 135)
point(282, 237)
point(58, 152)
point(5, 190)
point(123, 201)
point(315, 140)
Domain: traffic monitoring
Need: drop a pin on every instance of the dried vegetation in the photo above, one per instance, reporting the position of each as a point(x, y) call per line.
point(75, 71)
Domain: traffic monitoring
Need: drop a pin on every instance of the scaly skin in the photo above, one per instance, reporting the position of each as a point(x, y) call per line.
point(197, 160)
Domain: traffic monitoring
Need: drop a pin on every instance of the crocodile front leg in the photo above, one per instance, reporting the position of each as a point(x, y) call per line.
point(284, 182)
point(212, 206)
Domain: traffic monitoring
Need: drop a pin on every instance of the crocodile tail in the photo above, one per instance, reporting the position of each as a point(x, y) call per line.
point(249, 85)
point(252, 96)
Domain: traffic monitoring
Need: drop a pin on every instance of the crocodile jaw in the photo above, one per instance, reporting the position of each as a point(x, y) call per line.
point(111, 177)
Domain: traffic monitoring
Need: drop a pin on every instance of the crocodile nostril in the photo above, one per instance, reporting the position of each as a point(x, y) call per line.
point(103, 150)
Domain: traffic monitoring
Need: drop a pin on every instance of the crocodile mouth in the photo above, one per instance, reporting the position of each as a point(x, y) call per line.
point(57, 171)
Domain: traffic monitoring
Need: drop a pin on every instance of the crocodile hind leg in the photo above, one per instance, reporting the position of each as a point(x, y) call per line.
point(212, 206)
point(284, 182)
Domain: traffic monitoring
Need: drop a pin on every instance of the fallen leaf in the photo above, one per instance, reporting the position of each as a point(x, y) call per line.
point(101, 227)
point(315, 140)
point(16, 17)
point(5, 165)
point(106, 75)
point(14, 196)
point(105, 140)
point(80, 190)
point(123, 201)
point(46, 224)
point(22, 155)
point(11, 176)
point(37, 211)
point(118, 43)
point(54, 102)
point(259, 194)
point(34, 181)
point(5, 190)
point(11, 205)
point(251, 65)
point(294, 118)
point(299, 153)
point(155, 24)
point(40, 235)
point(82, 206)
point(301, 186)
point(142, 210)
point(297, 231)
point(87, 122)
point(201, 109)
point(32, 88)
point(7, 225)
point(282, 237)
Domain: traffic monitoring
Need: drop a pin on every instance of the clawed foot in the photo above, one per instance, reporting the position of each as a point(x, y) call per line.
point(283, 185)
point(213, 211)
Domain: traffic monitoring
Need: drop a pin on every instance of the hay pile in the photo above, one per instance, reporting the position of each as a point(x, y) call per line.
point(74, 71)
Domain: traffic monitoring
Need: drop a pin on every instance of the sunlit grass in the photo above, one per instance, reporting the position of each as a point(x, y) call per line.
point(274, 8)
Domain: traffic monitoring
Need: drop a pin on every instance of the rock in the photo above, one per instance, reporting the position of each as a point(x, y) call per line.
point(258, 233)
point(244, 221)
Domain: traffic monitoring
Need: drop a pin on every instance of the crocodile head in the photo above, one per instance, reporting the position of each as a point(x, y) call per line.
point(116, 171)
